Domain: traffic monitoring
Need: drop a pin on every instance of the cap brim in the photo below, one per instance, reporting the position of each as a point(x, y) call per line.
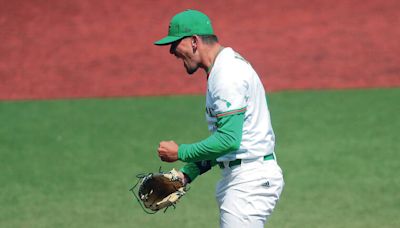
point(167, 40)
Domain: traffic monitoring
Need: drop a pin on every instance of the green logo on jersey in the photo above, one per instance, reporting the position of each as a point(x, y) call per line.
point(228, 104)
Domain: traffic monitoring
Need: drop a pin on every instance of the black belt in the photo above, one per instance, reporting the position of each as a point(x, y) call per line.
point(239, 161)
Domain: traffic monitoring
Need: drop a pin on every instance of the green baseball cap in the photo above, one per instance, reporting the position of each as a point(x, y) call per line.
point(187, 23)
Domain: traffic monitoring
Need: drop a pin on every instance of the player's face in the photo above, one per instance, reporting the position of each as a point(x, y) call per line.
point(183, 49)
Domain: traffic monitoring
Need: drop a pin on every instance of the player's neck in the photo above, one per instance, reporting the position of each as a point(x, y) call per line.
point(210, 56)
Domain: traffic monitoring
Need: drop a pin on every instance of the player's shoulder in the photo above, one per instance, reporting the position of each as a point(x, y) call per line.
point(230, 65)
point(229, 54)
point(228, 73)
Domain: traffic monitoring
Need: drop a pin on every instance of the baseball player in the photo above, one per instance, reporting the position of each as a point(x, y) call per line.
point(242, 140)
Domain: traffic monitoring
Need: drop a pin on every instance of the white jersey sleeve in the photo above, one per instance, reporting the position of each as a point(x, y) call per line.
point(229, 92)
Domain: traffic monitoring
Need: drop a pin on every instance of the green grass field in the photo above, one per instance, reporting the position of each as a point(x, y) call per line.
point(70, 163)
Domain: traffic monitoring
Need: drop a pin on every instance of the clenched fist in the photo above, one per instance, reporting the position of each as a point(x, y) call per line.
point(168, 151)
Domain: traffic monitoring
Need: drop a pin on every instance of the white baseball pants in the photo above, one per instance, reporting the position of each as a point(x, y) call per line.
point(248, 193)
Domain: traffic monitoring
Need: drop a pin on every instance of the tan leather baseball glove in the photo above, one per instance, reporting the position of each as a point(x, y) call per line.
point(159, 190)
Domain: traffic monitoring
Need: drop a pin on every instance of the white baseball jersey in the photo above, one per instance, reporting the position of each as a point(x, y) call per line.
point(233, 87)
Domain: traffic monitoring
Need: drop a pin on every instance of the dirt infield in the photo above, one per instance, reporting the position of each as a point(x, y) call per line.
point(69, 49)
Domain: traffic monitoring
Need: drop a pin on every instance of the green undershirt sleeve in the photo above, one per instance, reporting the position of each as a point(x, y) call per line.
point(191, 170)
point(202, 155)
point(226, 139)
point(194, 169)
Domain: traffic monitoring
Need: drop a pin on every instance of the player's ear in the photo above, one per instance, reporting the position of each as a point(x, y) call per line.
point(195, 40)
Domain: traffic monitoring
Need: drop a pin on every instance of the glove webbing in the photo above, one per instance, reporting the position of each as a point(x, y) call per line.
point(140, 176)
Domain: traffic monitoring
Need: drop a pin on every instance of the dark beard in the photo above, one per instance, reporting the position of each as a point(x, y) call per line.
point(191, 70)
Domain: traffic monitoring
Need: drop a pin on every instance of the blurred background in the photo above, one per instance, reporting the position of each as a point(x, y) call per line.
point(85, 98)
point(100, 48)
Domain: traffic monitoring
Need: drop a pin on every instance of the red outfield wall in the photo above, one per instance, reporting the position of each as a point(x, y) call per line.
point(74, 48)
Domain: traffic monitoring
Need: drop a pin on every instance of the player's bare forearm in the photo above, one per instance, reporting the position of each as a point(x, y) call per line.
point(168, 151)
